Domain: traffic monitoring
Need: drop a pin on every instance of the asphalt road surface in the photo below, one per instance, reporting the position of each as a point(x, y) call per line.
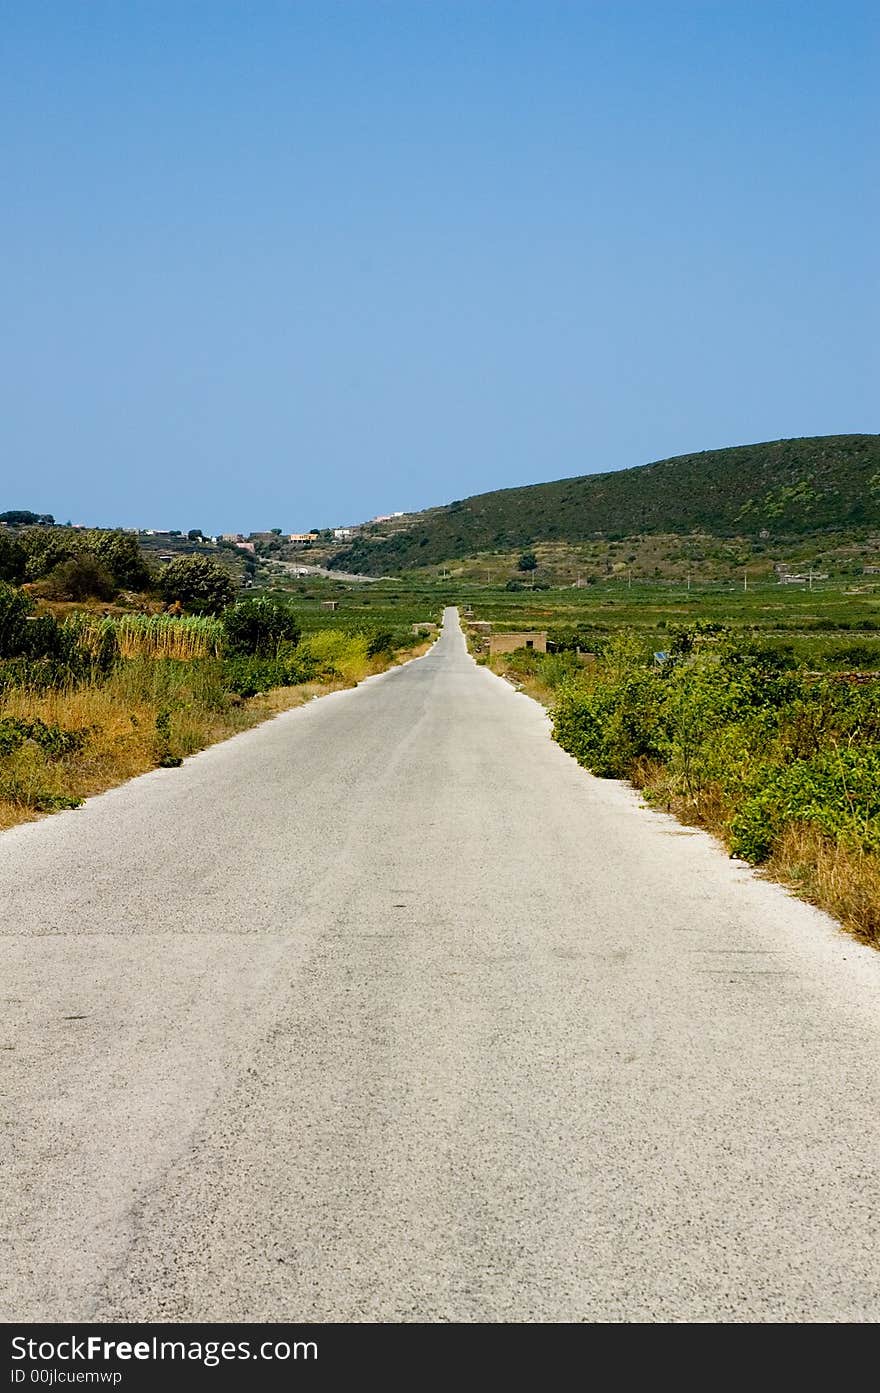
point(386, 1010)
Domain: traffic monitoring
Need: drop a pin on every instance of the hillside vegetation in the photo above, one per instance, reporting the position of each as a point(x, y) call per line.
point(780, 489)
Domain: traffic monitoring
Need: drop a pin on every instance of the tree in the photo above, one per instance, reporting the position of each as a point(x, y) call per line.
point(14, 609)
point(527, 562)
point(258, 627)
point(197, 583)
point(82, 577)
point(123, 558)
point(20, 517)
point(13, 558)
point(45, 549)
point(195, 534)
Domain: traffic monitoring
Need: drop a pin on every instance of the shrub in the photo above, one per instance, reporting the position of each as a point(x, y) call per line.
point(121, 555)
point(732, 734)
point(198, 583)
point(53, 740)
point(117, 551)
point(380, 642)
point(260, 626)
point(81, 577)
point(13, 559)
point(245, 676)
point(837, 791)
point(45, 549)
point(337, 655)
point(14, 610)
point(607, 728)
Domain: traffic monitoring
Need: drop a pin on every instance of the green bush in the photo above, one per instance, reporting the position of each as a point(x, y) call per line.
point(13, 558)
point(121, 555)
point(735, 725)
point(382, 641)
point(118, 552)
point(260, 627)
point(246, 676)
point(81, 577)
point(53, 740)
point(608, 728)
point(14, 610)
point(836, 791)
point(198, 583)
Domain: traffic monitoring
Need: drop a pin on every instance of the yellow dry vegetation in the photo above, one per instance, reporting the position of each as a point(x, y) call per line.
point(121, 717)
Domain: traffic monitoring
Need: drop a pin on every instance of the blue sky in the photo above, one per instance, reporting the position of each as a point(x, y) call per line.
point(292, 264)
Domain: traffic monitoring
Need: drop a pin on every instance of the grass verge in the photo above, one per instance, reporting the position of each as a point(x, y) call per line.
point(782, 766)
point(65, 744)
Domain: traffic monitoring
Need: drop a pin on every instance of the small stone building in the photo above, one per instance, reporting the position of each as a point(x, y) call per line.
point(508, 643)
point(329, 604)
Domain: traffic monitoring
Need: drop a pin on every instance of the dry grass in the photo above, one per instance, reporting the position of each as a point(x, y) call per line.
point(120, 717)
point(122, 742)
point(839, 879)
point(530, 683)
point(843, 881)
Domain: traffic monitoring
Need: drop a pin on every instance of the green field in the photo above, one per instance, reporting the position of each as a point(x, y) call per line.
point(361, 608)
point(832, 626)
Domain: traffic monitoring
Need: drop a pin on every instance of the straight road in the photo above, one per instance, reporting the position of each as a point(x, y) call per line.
point(386, 1010)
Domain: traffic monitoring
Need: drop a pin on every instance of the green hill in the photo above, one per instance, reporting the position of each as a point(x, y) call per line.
point(784, 488)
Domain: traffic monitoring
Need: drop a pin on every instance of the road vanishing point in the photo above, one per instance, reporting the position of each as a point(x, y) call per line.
point(388, 1011)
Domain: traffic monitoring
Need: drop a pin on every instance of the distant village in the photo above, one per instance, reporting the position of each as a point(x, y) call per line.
point(254, 541)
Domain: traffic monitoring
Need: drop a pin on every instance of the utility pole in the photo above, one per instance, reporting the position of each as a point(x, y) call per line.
point(689, 580)
point(746, 579)
point(811, 577)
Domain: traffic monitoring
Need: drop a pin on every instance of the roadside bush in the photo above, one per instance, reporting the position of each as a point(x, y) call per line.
point(53, 740)
point(837, 792)
point(382, 641)
point(260, 627)
point(198, 583)
point(245, 676)
point(608, 728)
point(337, 655)
point(730, 735)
